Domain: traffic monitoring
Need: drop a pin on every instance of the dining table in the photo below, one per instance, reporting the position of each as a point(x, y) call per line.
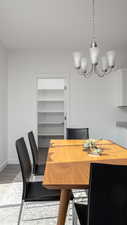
point(68, 167)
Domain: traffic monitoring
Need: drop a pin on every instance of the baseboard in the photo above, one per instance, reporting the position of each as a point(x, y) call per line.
point(3, 165)
point(13, 161)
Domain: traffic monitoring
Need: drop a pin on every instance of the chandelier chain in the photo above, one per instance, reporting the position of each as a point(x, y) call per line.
point(93, 20)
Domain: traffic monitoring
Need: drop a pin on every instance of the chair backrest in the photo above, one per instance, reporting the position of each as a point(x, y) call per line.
point(24, 160)
point(107, 195)
point(77, 133)
point(33, 147)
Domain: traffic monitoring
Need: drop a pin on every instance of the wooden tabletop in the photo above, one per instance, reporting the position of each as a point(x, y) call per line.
point(68, 165)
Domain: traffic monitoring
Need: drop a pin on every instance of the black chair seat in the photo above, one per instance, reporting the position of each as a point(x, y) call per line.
point(37, 192)
point(39, 170)
point(82, 211)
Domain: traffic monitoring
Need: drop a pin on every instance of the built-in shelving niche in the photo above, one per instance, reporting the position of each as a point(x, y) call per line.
point(50, 105)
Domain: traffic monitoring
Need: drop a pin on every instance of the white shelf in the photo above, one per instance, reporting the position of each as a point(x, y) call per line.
point(48, 135)
point(50, 100)
point(54, 89)
point(51, 123)
point(50, 111)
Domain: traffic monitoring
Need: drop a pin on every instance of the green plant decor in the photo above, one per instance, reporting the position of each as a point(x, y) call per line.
point(91, 147)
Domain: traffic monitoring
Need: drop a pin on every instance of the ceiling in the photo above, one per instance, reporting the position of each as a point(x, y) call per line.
point(62, 24)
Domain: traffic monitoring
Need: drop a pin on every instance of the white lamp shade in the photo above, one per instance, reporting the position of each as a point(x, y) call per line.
point(83, 64)
point(94, 53)
point(111, 58)
point(77, 59)
point(104, 63)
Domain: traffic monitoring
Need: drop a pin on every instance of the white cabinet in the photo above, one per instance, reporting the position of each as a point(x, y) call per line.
point(121, 88)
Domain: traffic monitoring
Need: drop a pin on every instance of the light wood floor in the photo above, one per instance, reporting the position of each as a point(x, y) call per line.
point(8, 174)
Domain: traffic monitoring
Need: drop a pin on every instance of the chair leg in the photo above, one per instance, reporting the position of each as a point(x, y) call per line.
point(20, 213)
point(74, 214)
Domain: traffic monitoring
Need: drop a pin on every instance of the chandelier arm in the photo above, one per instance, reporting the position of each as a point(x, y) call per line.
point(94, 69)
point(102, 73)
point(87, 74)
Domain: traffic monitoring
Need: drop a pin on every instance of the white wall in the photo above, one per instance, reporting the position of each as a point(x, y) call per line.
point(92, 101)
point(3, 106)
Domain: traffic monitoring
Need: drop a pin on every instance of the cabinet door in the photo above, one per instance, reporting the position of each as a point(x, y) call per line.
point(121, 88)
point(124, 87)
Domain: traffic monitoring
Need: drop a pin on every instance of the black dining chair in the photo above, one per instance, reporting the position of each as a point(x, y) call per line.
point(77, 133)
point(38, 169)
point(32, 191)
point(107, 201)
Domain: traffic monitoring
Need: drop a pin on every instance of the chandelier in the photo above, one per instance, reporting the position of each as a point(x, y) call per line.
point(99, 67)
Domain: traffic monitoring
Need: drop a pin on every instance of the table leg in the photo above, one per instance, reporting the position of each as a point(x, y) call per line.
point(64, 201)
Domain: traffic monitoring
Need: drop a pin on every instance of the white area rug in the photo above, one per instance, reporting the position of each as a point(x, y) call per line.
point(10, 199)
